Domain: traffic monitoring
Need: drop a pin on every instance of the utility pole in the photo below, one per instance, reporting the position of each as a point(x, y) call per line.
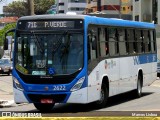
point(99, 5)
point(31, 7)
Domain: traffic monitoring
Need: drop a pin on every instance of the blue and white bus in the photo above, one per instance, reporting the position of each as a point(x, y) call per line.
point(81, 59)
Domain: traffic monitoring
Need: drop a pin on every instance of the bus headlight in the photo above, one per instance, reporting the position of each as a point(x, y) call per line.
point(78, 84)
point(11, 68)
point(17, 84)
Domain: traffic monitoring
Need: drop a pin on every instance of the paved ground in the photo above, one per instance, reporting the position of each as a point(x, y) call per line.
point(6, 91)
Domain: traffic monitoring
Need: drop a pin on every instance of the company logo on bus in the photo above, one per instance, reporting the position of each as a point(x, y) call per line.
point(109, 64)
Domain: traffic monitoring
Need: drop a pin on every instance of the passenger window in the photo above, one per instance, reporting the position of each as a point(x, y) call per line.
point(92, 43)
point(153, 41)
point(139, 40)
point(146, 41)
point(113, 42)
point(103, 42)
point(122, 42)
point(130, 39)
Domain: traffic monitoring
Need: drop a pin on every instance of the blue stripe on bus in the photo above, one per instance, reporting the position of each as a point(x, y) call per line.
point(143, 59)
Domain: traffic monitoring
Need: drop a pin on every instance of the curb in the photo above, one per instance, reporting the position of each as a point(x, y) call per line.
point(6, 103)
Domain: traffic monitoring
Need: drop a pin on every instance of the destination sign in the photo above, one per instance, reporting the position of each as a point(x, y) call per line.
point(50, 25)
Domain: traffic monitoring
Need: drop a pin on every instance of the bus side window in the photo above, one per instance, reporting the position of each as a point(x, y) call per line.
point(149, 44)
point(153, 40)
point(139, 41)
point(134, 42)
point(89, 48)
point(130, 39)
point(19, 55)
point(146, 41)
point(113, 42)
point(107, 41)
point(122, 42)
point(92, 44)
point(103, 42)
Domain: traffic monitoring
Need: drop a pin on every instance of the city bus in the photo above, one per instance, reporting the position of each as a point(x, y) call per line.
point(81, 59)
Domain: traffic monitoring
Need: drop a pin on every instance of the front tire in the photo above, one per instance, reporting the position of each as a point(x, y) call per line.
point(103, 97)
point(44, 107)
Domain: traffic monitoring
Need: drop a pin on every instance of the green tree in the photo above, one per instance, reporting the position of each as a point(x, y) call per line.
point(20, 8)
point(4, 30)
point(41, 6)
point(17, 8)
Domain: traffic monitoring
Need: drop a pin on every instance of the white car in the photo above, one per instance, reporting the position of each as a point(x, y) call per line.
point(5, 66)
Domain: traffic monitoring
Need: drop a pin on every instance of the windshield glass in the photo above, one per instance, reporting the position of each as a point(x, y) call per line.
point(4, 61)
point(49, 54)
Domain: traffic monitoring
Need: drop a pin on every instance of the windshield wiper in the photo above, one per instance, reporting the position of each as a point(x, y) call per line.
point(37, 42)
point(59, 42)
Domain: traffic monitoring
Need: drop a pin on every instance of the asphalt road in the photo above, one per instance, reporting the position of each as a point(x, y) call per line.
point(124, 104)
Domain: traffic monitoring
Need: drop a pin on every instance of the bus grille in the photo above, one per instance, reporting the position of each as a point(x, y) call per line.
point(56, 98)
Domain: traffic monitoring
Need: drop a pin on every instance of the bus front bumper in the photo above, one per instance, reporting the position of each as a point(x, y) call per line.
point(79, 96)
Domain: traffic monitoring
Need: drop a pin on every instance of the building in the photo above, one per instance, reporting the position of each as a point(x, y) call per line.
point(143, 10)
point(137, 10)
point(64, 6)
point(111, 8)
point(5, 20)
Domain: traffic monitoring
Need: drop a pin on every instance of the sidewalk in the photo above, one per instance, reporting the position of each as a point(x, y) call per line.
point(6, 92)
point(156, 83)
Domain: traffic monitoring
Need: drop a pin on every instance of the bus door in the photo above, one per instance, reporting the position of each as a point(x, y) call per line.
point(93, 64)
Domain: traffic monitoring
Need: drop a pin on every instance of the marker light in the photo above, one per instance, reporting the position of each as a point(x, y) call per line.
point(78, 85)
point(17, 84)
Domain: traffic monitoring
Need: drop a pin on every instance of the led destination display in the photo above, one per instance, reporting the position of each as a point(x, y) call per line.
point(50, 25)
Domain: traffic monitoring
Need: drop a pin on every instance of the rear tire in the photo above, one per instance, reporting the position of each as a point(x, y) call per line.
point(138, 91)
point(44, 107)
point(103, 97)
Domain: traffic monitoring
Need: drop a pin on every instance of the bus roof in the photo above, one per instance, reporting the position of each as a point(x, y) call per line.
point(52, 16)
point(94, 20)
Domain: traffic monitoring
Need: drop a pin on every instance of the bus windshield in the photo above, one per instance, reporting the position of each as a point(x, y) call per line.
point(49, 54)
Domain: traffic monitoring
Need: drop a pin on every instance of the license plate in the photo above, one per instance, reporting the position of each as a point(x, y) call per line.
point(47, 101)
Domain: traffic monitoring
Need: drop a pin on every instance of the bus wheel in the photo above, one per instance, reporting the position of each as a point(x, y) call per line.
point(138, 91)
point(103, 97)
point(44, 107)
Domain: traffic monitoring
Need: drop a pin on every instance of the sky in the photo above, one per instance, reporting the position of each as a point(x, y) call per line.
point(4, 3)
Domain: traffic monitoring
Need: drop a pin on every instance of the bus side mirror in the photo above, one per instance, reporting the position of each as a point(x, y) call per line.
point(6, 44)
point(6, 40)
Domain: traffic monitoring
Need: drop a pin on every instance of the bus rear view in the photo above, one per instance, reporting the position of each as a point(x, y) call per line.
point(48, 61)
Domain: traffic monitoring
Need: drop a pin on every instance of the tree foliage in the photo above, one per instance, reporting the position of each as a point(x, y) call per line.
point(17, 8)
point(41, 6)
point(20, 8)
point(4, 30)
